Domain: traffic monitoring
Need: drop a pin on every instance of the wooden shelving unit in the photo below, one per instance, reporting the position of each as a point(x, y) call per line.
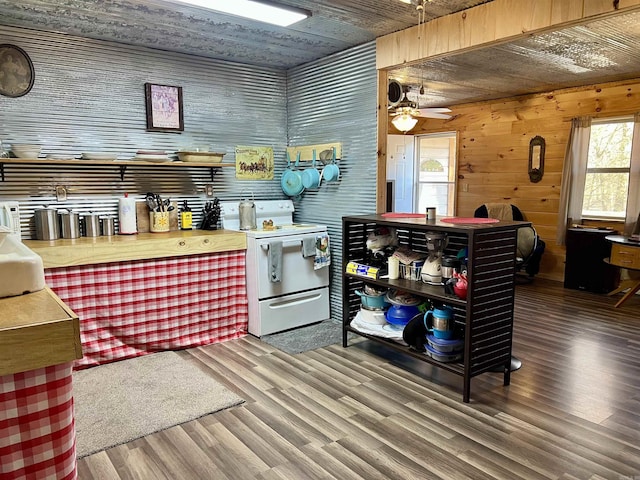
point(486, 316)
point(120, 164)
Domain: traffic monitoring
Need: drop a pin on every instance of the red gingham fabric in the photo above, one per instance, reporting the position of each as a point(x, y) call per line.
point(128, 309)
point(37, 430)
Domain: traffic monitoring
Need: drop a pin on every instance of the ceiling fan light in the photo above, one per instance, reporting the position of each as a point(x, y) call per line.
point(404, 122)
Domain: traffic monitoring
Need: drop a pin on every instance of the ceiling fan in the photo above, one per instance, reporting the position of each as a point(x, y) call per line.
point(399, 104)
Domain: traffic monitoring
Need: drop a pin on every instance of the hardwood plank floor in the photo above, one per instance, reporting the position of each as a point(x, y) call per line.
point(571, 412)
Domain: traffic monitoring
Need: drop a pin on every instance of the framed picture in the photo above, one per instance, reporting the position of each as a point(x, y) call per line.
point(16, 71)
point(164, 108)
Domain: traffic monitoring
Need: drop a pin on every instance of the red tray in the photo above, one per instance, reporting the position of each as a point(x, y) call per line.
point(469, 220)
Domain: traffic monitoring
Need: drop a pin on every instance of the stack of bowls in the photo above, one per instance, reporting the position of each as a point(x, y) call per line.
point(23, 150)
point(374, 305)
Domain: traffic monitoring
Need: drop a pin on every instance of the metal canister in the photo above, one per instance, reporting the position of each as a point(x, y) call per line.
point(70, 222)
point(47, 223)
point(108, 227)
point(91, 224)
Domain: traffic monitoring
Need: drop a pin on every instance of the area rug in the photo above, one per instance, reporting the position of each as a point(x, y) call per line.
point(306, 338)
point(129, 399)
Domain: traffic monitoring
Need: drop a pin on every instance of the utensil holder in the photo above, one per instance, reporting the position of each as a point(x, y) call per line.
point(410, 272)
point(158, 222)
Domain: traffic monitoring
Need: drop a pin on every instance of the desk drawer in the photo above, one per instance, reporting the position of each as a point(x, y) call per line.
point(625, 256)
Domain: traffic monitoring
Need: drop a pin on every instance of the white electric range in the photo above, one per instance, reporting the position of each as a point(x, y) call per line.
point(284, 289)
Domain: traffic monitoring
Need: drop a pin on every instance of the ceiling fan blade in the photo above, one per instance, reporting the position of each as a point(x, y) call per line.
point(436, 109)
point(429, 114)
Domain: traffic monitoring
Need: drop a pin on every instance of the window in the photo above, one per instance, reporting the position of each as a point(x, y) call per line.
point(436, 173)
point(608, 169)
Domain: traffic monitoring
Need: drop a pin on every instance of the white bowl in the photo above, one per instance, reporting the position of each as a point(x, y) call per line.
point(25, 150)
point(374, 317)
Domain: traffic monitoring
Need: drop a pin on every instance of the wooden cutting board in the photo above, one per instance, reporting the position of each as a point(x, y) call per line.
point(142, 215)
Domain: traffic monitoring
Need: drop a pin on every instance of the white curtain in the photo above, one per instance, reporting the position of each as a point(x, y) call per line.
point(574, 174)
point(633, 200)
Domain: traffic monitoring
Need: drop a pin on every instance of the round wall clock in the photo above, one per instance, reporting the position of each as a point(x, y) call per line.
point(16, 71)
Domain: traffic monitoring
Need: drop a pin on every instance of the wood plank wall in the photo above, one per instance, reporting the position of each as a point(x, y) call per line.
point(493, 151)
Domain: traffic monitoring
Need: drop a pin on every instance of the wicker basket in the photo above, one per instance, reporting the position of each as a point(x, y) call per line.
point(201, 157)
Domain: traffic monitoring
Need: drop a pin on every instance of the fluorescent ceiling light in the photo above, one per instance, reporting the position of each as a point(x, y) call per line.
point(263, 12)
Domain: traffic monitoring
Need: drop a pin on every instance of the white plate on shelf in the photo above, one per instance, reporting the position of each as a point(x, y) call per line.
point(61, 156)
point(152, 158)
point(99, 156)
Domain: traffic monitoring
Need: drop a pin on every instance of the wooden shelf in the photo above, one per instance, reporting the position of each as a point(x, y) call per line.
point(419, 288)
point(121, 164)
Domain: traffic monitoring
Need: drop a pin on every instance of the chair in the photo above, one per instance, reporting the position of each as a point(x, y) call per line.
point(530, 246)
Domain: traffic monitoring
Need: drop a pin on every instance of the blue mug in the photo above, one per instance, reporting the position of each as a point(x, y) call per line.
point(442, 322)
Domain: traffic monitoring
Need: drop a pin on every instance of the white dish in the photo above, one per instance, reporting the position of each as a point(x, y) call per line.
point(392, 328)
point(152, 158)
point(60, 156)
point(26, 151)
point(99, 156)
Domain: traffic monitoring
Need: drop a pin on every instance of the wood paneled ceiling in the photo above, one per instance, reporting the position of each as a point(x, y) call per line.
point(600, 51)
point(607, 49)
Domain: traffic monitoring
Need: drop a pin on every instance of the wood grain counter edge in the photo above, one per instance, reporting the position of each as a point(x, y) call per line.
point(37, 330)
point(142, 246)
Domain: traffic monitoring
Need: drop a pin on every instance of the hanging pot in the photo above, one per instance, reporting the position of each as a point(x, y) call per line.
point(292, 179)
point(311, 178)
point(331, 171)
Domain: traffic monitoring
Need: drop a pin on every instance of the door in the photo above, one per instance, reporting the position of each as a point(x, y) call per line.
point(400, 171)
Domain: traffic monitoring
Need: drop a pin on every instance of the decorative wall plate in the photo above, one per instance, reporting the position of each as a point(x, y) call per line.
point(16, 71)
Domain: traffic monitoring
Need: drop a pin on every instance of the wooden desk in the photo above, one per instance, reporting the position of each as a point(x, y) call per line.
point(625, 254)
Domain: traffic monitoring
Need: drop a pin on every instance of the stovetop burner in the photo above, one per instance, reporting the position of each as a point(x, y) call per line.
point(273, 218)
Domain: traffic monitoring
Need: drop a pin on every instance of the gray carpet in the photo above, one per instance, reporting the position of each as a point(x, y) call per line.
point(306, 338)
point(125, 400)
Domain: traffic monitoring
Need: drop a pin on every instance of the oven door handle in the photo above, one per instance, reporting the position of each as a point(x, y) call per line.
point(290, 243)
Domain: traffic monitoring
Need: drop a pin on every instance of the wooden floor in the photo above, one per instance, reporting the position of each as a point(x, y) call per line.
point(571, 412)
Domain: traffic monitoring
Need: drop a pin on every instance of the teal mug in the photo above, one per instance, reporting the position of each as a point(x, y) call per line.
point(442, 322)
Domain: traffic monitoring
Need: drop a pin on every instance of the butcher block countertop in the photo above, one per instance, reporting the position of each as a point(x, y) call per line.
point(37, 330)
point(141, 246)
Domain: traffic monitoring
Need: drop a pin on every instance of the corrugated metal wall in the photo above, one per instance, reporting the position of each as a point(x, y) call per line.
point(335, 100)
point(88, 96)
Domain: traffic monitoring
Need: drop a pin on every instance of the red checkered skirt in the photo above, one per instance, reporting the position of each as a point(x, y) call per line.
point(128, 309)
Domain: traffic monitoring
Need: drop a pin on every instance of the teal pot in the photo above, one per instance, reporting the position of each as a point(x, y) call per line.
point(331, 171)
point(311, 177)
point(291, 181)
point(378, 302)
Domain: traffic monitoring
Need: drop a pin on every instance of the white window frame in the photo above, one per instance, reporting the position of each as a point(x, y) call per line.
point(453, 169)
point(628, 170)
